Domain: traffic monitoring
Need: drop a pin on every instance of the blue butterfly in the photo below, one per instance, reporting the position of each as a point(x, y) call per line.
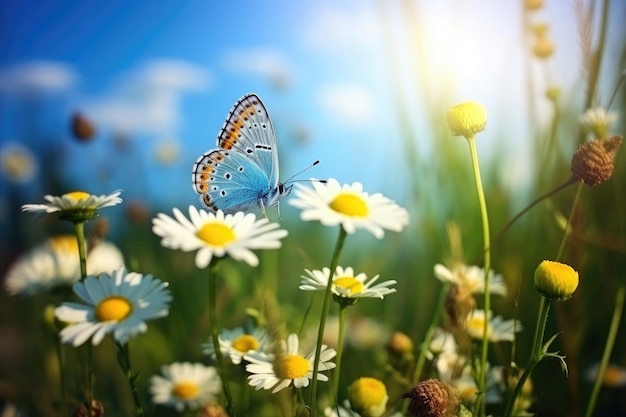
point(242, 173)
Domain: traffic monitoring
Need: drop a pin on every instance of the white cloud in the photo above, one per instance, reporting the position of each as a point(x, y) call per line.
point(332, 28)
point(38, 76)
point(147, 99)
point(265, 62)
point(349, 104)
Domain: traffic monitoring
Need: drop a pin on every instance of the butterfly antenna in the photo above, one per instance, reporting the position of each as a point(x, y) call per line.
point(290, 179)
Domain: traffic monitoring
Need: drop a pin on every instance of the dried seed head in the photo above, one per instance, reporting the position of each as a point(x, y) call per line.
point(82, 128)
point(593, 162)
point(433, 398)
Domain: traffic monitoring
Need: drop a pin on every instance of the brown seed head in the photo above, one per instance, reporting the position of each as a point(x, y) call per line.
point(82, 128)
point(433, 398)
point(593, 162)
point(212, 410)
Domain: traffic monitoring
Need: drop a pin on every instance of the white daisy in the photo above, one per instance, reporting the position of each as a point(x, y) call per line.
point(77, 205)
point(17, 163)
point(345, 284)
point(55, 263)
point(217, 234)
point(119, 303)
point(598, 122)
point(289, 366)
point(237, 342)
point(332, 204)
point(471, 278)
point(185, 386)
point(498, 329)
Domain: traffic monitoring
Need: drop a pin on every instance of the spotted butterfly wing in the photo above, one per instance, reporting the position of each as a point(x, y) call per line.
point(242, 172)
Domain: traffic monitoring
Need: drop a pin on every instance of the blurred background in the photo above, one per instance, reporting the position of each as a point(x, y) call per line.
point(101, 96)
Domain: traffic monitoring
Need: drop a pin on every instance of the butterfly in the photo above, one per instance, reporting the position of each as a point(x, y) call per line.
point(242, 172)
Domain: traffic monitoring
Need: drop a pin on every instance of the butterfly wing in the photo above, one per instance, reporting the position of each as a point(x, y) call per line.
point(230, 181)
point(249, 130)
point(243, 171)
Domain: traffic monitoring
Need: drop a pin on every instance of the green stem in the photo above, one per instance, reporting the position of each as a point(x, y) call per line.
point(123, 359)
point(608, 348)
point(340, 340)
point(213, 270)
point(535, 357)
point(79, 229)
point(341, 238)
point(482, 381)
point(569, 222)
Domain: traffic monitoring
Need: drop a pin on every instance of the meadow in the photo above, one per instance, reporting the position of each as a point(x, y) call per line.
point(553, 343)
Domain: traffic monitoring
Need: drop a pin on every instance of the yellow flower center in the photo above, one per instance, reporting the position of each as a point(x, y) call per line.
point(555, 280)
point(291, 367)
point(476, 326)
point(77, 195)
point(368, 396)
point(467, 119)
point(185, 390)
point(63, 244)
point(113, 308)
point(353, 285)
point(245, 343)
point(216, 234)
point(350, 205)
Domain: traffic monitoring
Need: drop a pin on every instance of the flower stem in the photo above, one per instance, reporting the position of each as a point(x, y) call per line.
point(340, 340)
point(123, 359)
point(213, 269)
point(79, 230)
point(608, 348)
point(482, 372)
point(341, 238)
point(535, 357)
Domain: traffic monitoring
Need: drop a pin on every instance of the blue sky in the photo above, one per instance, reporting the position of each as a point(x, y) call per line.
point(167, 72)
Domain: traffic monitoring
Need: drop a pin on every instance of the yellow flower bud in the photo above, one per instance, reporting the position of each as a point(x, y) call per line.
point(368, 397)
point(467, 119)
point(544, 47)
point(555, 281)
point(533, 4)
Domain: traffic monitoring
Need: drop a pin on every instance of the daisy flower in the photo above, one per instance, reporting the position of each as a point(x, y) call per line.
point(346, 286)
point(288, 367)
point(498, 329)
point(55, 263)
point(471, 278)
point(76, 206)
point(332, 204)
point(119, 303)
point(237, 342)
point(217, 234)
point(597, 121)
point(17, 163)
point(185, 386)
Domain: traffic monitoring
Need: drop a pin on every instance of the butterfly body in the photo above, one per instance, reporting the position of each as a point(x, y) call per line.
point(242, 172)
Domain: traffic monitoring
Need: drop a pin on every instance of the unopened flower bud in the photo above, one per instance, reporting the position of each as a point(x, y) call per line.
point(544, 47)
point(400, 345)
point(432, 398)
point(555, 281)
point(533, 4)
point(593, 163)
point(467, 119)
point(368, 397)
